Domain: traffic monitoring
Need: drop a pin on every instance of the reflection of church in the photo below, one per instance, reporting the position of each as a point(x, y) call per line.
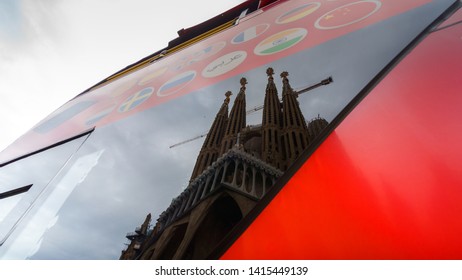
point(235, 168)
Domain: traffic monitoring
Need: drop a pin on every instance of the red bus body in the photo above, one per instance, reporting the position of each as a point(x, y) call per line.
point(382, 181)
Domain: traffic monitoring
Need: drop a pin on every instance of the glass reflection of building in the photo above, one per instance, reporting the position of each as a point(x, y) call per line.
point(235, 168)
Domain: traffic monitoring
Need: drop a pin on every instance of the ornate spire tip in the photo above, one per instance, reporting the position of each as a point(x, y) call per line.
point(243, 81)
point(284, 75)
point(228, 94)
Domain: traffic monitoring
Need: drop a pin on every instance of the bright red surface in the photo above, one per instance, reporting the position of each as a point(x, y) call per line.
point(387, 183)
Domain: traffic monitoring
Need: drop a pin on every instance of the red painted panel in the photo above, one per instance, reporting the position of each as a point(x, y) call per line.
point(387, 183)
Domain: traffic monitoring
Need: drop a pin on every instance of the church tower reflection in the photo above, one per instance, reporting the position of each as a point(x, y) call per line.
point(236, 166)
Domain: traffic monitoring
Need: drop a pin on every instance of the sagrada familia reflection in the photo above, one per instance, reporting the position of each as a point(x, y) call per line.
point(237, 165)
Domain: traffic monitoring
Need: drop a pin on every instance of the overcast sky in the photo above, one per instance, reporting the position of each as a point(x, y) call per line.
point(51, 50)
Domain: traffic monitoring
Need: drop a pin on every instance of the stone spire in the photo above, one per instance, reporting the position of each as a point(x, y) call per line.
point(145, 226)
point(315, 127)
point(271, 124)
point(295, 132)
point(237, 120)
point(212, 144)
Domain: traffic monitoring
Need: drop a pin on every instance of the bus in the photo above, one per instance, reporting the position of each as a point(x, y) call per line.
point(279, 129)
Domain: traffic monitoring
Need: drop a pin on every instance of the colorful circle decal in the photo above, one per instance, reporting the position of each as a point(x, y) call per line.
point(224, 64)
point(250, 33)
point(180, 64)
point(151, 76)
point(298, 13)
point(208, 51)
point(348, 14)
point(91, 121)
point(122, 88)
point(280, 41)
point(192, 58)
point(136, 99)
point(176, 83)
point(64, 116)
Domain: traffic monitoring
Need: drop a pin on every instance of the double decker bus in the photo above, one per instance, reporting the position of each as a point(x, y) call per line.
point(290, 129)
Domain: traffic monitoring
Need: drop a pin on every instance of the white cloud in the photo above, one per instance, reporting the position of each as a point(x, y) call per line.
point(53, 50)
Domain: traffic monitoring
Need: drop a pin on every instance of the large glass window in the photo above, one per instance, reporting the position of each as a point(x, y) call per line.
point(222, 119)
point(24, 183)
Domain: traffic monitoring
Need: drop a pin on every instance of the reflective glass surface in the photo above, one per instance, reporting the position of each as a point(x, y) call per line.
point(151, 124)
point(35, 171)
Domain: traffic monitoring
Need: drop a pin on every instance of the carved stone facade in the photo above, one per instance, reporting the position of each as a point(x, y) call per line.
point(235, 168)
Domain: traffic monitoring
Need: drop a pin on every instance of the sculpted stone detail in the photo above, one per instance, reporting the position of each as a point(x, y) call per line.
point(236, 167)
